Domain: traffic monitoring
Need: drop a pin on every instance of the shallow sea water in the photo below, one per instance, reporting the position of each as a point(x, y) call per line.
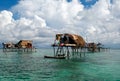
point(99, 66)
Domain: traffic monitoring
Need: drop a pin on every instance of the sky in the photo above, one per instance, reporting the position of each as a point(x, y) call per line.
point(7, 4)
point(39, 20)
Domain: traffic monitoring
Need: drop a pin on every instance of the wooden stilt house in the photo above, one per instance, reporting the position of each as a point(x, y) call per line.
point(24, 44)
point(64, 42)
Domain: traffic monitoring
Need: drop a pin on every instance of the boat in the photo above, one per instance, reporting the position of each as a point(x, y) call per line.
point(55, 57)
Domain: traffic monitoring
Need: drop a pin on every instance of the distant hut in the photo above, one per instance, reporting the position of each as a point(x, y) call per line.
point(21, 46)
point(24, 44)
point(8, 45)
point(91, 47)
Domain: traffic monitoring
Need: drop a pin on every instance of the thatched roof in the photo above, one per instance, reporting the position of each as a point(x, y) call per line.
point(25, 43)
point(71, 39)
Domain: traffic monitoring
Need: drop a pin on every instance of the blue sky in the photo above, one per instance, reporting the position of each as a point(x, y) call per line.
point(7, 4)
point(88, 3)
point(39, 20)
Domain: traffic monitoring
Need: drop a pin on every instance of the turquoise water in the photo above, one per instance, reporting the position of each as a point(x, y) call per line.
point(103, 66)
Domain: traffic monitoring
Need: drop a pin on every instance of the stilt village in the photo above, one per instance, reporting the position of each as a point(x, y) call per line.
point(65, 45)
point(21, 46)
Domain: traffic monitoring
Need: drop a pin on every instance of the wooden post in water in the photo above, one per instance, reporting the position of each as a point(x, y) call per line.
point(68, 53)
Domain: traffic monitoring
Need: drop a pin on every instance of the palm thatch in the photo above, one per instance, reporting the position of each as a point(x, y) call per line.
point(71, 39)
point(24, 44)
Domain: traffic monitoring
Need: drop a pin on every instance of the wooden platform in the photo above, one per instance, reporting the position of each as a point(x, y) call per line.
point(64, 45)
point(19, 50)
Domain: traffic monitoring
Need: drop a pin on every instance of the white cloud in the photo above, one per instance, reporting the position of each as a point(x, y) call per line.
point(5, 18)
point(115, 8)
point(23, 28)
point(40, 20)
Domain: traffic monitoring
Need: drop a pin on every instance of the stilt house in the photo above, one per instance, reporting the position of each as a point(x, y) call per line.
point(24, 44)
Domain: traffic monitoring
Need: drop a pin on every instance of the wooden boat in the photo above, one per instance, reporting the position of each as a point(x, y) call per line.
point(55, 57)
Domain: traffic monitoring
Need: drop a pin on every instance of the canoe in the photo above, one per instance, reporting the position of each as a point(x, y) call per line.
point(55, 57)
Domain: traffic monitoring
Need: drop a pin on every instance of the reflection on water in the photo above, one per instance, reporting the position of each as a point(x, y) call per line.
point(31, 66)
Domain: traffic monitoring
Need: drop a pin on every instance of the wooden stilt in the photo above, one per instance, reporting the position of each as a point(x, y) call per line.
point(68, 53)
point(54, 50)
